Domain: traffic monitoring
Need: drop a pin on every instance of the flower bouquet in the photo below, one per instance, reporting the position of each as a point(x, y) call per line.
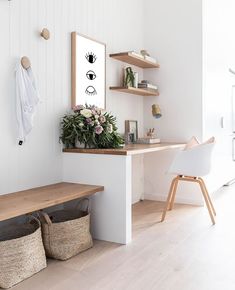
point(91, 127)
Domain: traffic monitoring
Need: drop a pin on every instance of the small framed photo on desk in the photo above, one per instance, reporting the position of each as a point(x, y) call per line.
point(131, 131)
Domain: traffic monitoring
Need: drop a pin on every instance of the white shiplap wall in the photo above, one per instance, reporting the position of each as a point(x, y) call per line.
point(38, 161)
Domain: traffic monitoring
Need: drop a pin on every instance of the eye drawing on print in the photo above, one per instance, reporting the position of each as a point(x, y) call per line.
point(91, 57)
point(91, 75)
point(88, 66)
point(90, 90)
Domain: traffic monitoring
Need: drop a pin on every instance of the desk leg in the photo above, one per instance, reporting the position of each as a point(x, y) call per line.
point(111, 209)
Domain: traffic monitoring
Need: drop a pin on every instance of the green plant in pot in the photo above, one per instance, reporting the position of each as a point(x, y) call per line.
point(129, 79)
point(91, 127)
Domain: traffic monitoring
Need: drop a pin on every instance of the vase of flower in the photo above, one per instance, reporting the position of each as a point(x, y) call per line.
point(83, 145)
point(79, 144)
point(89, 127)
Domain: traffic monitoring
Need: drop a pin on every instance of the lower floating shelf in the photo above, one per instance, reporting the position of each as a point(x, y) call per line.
point(135, 91)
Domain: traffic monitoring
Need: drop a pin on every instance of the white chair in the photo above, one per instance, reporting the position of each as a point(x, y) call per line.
point(191, 165)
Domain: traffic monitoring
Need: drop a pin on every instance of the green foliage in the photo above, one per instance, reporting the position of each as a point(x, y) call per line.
point(91, 127)
point(130, 77)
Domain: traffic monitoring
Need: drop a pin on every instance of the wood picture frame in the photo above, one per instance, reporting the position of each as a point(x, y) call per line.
point(131, 131)
point(88, 71)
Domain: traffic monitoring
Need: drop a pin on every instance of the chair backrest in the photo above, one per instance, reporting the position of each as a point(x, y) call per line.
point(193, 162)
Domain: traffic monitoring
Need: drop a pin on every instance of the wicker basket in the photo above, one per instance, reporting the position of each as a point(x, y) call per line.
point(66, 232)
point(21, 253)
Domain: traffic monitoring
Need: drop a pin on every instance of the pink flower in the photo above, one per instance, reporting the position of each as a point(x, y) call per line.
point(78, 108)
point(98, 111)
point(98, 130)
point(102, 119)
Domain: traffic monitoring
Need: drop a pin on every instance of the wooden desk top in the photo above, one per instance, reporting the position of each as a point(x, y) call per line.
point(131, 149)
point(27, 201)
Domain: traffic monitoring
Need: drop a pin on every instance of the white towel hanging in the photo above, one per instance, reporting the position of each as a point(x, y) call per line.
point(27, 98)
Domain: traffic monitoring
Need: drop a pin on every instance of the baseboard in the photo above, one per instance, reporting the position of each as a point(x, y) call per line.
point(136, 199)
point(161, 197)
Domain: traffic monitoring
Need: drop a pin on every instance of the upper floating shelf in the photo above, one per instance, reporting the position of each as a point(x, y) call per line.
point(134, 59)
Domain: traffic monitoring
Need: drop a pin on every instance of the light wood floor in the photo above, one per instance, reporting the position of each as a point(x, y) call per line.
point(184, 253)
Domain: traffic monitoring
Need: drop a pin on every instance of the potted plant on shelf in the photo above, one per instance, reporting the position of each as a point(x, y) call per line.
point(90, 127)
point(129, 77)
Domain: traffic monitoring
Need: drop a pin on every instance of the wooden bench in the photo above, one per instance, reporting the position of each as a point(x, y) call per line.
point(19, 203)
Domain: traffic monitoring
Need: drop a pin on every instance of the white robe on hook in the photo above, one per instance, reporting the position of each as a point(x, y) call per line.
point(27, 98)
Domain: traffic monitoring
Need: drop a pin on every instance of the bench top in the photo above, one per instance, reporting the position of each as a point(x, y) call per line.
point(27, 201)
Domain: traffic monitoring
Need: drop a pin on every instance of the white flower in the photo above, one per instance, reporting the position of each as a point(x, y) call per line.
point(96, 116)
point(97, 122)
point(86, 113)
point(81, 124)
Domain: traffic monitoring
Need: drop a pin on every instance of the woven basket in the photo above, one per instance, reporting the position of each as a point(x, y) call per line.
point(66, 232)
point(21, 253)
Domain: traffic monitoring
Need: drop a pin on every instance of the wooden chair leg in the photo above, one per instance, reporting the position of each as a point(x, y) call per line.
point(207, 201)
point(168, 199)
point(174, 193)
point(208, 196)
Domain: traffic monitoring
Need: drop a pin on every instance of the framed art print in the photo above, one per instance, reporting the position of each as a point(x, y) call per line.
point(88, 71)
point(131, 131)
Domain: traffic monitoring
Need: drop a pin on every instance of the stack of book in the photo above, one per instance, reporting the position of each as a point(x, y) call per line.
point(146, 85)
point(149, 58)
point(148, 140)
point(133, 53)
point(146, 57)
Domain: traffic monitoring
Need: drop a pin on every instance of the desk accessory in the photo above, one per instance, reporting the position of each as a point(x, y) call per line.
point(131, 131)
point(148, 140)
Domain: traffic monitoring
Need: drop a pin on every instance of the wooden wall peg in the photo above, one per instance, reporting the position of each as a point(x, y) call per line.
point(25, 62)
point(45, 33)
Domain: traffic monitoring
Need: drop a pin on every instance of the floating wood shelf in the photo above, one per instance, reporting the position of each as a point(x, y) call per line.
point(133, 59)
point(135, 91)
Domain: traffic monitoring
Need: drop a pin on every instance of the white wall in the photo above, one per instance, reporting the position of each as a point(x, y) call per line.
point(218, 57)
point(173, 34)
point(38, 161)
point(194, 42)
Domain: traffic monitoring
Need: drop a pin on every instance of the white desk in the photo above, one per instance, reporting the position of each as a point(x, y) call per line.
point(111, 209)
